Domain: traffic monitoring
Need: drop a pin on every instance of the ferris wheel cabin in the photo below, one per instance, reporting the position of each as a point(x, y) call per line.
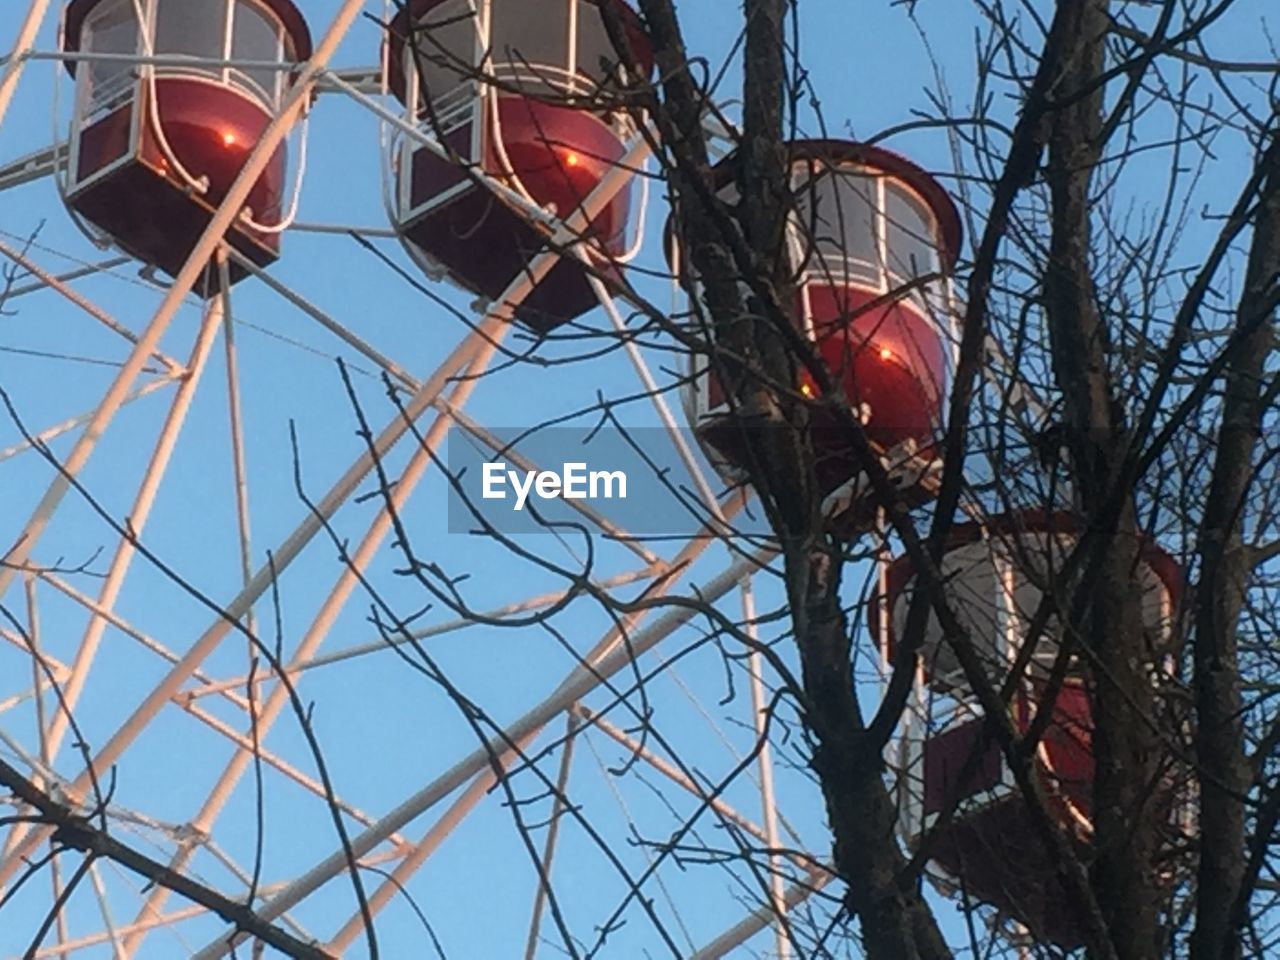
point(154, 148)
point(503, 96)
point(872, 239)
point(996, 573)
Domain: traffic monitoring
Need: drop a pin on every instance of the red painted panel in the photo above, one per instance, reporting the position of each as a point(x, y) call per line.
point(998, 854)
point(560, 155)
point(487, 260)
point(995, 849)
point(104, 141)
point(1068, 747)
point(945, 757)
point(889, 357)
point(212, 129)
point(432, 175)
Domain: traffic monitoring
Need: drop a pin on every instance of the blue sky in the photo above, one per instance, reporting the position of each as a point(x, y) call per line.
point(385, 728)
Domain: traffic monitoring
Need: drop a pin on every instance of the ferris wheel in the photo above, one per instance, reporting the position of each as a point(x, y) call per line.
point(238, 632)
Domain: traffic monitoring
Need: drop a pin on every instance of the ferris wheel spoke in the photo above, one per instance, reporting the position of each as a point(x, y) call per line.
point(756, 921)
point(227, 211)
point(88, 270)
point(577, 684)
point(244, 743)
point(635, 748)
point(168, 920)
point(504, 750)
point(66, 426)
point(451, 407)
point(53, 665)
point(353, 570)
point(22, 46)
point(553, 832)
point(656, 397)
point(284, 556)
point(457, 811)
point(34, 165)
point(227, 692)
point(341, 331)
point(104, 908)
point(611, 782)
point(246, 880)
point(138, 516)
point(16, 699)
point(236, 423)
point(764, 763)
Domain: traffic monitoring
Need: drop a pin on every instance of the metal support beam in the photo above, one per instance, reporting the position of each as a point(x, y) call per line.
point(754, 922)
point(19, 52)
point(578, 684)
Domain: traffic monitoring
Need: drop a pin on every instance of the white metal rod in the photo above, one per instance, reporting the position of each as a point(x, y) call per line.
point(93, 939)
point(240, 476)
point(56, 666)
point(108, 922)
point(769, 808)
point(502, 755)
point(245, 878)
point(179, 61)
point(651, 387)
point(758, 920)
point(285, 555)
point(138, 515)
point(58, 429)
point(33, 166)
point(553, 833)
point(8, 703)
point(513, 197)
point(382, 644)
point(20, 52)
point(339, 330)
point(580, 682)
point(669, 771)
point(83, 302)
point(244, 742)
point(88, 270)
point(129, 630)
point(343, 229)
point(430, 842)
point(37, 672)
point(487, 336)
